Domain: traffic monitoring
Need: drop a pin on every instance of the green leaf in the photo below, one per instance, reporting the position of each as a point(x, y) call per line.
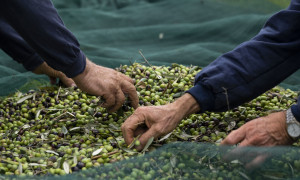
point(113, 126)
point(133, 142)
point(231, 125)
point(75, 160)
point(193, 69)
point(36, 164)
point(142, 80)
point(173, 161)
point(91, 111)
point(170, 76)
point(61, 162)
point(148, 144)
point(74, 128)
point(20, 168)
point(52, 152)
point(24, 98)
point(165, 137)
point(129, 150)
point(66, 167)
point(98, 151)
point(64, 130)
point(177, 95)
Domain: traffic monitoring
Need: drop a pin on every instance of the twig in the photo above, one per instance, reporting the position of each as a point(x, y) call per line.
point(147, 62)
point(58, 93)
point(99, 156)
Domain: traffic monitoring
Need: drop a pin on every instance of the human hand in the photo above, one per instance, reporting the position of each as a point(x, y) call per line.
point(268, 131)
point(155, 121)
point(53, 75)
point(108, 83)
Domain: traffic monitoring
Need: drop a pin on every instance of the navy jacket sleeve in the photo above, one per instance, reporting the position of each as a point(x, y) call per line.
point(254, 66)
point(39, 24)
point(15, 46)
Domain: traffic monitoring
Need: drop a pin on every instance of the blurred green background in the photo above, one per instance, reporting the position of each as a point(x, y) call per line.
point(111, 32)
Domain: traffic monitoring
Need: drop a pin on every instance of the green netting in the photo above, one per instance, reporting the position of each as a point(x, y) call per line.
point(111, 32)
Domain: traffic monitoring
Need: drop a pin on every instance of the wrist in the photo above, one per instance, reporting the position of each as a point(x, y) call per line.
point(82, 76)
point(186, 105)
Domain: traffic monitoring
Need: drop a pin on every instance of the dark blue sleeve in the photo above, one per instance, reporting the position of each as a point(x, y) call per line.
point(254, 66)
point(15, 46)
point(39, 24)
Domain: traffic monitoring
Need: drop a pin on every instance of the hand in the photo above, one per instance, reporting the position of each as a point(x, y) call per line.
point(155, 121)
point(53, 74)
point(109, 84)
point(264, 131)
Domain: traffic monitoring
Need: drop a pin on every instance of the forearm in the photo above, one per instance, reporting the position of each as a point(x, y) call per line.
point(185, 105)
point(39, 24)
point(17, 48)
point(253, 67)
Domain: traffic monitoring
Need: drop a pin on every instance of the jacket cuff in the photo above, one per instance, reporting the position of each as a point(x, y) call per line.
point(76, 68)
point(296, 111)
point(203, 96)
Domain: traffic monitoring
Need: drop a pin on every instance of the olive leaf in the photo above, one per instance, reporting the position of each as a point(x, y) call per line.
point(98, 151)
point(64, 130)
point(169, 76)
point(20, 168)
point(244, 175)
point(113, 126)
point(24, 98)
point(231, 125)
point(74, 128)
point(148, 144)
point(71, 114)
point(177, 95)
point(52, 152)
point(9, 161)
point(26, 126)
point(133, 142)
point(129, 150)
point(66, 167)
point(184, 136)
point(91, 111)
point(165, 137)
point(36, 164)
point(75, 160)
point(292, 169)
point(142, 80)
point(193, 69)
point(61, 162)
point(173, 161)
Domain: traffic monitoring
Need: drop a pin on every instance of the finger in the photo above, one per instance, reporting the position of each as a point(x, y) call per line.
point(52, 80)
point(127, 78)
point(129, 127)
point(152, 132)
point(129, 89)
point(234, 137)
point(256, 162)
point(109, 100)
point(120, 99)
point(68, 82)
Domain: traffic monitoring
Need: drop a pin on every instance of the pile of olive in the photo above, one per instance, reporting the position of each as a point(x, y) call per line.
point(57, 131)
